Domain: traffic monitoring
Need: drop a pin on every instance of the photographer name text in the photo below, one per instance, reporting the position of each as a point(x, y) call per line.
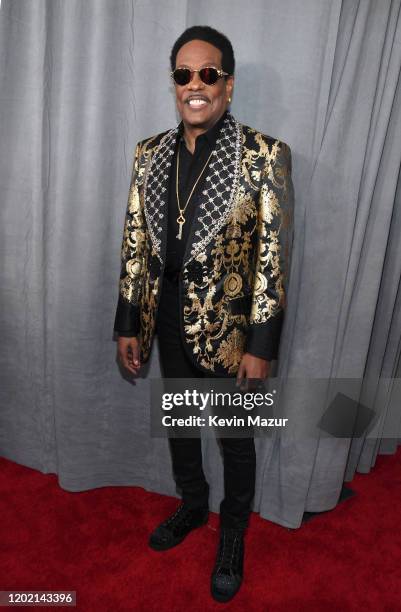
point(215, 421)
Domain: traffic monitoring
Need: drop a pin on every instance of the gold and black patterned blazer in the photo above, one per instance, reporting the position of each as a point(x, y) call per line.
point(235, 271)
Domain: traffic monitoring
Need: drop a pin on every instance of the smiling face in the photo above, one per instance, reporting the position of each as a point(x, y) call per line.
point(208, 101)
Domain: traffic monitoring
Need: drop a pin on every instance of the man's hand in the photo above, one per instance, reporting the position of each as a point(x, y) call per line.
point(128, 353)
point(251, 367)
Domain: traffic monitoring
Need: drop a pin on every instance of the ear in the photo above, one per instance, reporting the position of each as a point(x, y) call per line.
point(229, 85)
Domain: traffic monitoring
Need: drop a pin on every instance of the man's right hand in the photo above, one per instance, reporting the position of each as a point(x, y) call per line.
point(128, 353)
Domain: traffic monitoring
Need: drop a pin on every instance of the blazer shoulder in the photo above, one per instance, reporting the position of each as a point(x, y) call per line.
point(260, 139)
point(148, 144)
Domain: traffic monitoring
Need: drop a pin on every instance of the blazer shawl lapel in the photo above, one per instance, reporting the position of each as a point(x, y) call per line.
point(156, 190)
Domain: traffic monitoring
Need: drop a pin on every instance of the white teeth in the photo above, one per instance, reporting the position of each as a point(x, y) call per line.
point(196, 102)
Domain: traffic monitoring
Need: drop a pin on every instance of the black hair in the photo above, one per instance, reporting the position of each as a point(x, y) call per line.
point(210, 35)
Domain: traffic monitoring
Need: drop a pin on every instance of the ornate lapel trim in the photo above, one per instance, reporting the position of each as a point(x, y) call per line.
point(156, 190)
point(222, 181)
point(217, 199)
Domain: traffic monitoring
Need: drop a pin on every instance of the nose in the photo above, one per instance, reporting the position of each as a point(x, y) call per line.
point(196, 82)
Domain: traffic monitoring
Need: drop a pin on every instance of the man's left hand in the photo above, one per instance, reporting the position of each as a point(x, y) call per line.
point(251, 367)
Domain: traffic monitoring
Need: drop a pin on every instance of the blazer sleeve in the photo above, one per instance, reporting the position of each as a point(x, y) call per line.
point(273, 257)
point(127, 320)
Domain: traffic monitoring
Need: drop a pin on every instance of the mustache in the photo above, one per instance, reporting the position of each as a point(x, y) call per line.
point(197, 97)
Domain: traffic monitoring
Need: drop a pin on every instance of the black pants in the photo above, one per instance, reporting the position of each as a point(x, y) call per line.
point(238, 453)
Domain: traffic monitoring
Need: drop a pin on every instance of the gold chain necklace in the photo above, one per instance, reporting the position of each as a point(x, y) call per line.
point(181, 218)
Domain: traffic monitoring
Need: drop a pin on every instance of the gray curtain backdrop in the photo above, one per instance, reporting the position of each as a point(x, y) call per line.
point(80, 83)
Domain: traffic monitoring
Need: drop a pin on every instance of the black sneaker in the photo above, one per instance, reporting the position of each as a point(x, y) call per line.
point(173, 530)
point(229, 568)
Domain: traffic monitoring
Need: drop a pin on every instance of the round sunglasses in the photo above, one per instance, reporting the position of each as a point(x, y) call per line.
point(209, 75)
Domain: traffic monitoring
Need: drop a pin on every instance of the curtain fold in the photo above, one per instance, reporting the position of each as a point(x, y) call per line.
point(80, 84)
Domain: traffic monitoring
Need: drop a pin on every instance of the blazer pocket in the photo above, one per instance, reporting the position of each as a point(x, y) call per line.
point(240, 305)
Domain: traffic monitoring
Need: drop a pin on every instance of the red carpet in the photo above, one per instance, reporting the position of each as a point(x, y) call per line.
point(95, 543)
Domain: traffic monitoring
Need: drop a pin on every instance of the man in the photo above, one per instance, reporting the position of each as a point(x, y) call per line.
point(205, 264)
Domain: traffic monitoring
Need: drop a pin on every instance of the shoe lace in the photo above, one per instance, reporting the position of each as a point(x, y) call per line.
point(180, 516)
point(230, 545)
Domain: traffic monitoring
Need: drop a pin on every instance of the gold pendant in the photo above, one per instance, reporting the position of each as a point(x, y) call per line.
point(180, 221)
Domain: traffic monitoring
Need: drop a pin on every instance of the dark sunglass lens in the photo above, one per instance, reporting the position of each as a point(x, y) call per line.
point(209, 75)
point(182, 76)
